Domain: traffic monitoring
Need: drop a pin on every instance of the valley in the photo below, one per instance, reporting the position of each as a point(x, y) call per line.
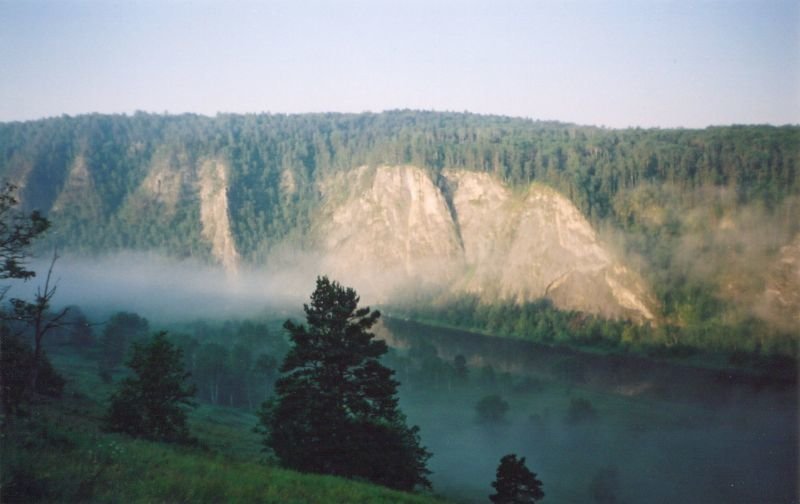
point(652, 428)
point(620, 307)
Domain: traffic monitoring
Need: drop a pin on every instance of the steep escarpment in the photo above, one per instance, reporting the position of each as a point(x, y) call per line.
point(526, 244)
point(385, 228)
point(701, 214)
point(389, 228)
point(213, 187)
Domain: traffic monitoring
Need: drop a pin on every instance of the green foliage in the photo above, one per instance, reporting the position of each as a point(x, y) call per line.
point(122, 329)
point(336, 409)
point(234, 362)
point(18, 230)
point(595, 167)
point(515, 483)
point(16, 359)
point(491, 409)
point(541, 322)
point(58, 455)
point(537, 321)
point(152, 404)
point(666, 193)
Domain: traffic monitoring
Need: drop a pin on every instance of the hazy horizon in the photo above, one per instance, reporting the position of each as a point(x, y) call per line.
point(387, 111)
point(614, 63)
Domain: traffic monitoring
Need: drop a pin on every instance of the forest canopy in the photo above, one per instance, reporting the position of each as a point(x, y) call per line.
point(701, 214)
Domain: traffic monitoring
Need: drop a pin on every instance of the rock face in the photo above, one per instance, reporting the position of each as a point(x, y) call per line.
point(393, 227)
point(533, 244)
point(213, 189)
point(386, 228)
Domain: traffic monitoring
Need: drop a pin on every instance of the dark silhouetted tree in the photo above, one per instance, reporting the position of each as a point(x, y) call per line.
point(18, 230)
point(515, 483)
point(38, 317)
point(335, 409)
point(491, 409)
point(152, 403)
point(16, 357)
point(460, 368)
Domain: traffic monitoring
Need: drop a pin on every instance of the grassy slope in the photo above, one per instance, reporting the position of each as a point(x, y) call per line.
point(58, 453)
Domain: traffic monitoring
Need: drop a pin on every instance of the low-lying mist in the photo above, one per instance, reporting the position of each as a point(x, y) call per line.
point(650, 432)
point(167, 290)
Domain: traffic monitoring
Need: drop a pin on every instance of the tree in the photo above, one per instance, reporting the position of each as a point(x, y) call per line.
point(335, 409)
point(121, 330)
point(460, 367)
point(515, 483)
point(17, 232)
point(491, 409)
point(152, 403)
point(37, 316)
point(16, 359)
point(211, 370)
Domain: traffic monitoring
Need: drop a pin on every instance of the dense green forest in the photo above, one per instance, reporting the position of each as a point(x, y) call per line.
point(701, 214)
point(595, 167)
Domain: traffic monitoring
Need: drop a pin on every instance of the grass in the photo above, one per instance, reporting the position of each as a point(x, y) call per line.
point(58, 453)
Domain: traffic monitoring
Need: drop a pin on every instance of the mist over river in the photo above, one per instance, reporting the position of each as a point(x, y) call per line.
point(660, 432)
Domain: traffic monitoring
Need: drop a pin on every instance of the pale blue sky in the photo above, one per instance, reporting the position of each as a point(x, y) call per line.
point(616, 63)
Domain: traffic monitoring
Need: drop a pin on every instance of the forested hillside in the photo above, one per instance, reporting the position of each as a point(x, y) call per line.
point(706, 217)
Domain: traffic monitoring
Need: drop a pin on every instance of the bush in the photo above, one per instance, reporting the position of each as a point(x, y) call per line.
point(491, 409)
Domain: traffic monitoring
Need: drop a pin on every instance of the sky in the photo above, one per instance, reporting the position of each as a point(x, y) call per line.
point(614, 63)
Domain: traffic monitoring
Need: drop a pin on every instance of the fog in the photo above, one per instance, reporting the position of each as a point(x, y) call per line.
point(661, 433)
point(691, 454)
point(691, 436)
point(167, 290)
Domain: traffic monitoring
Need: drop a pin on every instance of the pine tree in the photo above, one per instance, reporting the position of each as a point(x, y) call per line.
point(153, 402)
point(515, 483)
point(336, 410)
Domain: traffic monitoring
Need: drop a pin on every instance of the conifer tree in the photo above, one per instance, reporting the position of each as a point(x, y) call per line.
point(335, 409)
point(515, 483)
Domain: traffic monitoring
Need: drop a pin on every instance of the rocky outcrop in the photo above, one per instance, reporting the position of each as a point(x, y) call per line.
point(393, 230)
point(385, 228)
point(213, 190)
point(388, 228)
point(535, 243)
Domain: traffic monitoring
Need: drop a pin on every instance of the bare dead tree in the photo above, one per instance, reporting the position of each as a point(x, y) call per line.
point(37, 316)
